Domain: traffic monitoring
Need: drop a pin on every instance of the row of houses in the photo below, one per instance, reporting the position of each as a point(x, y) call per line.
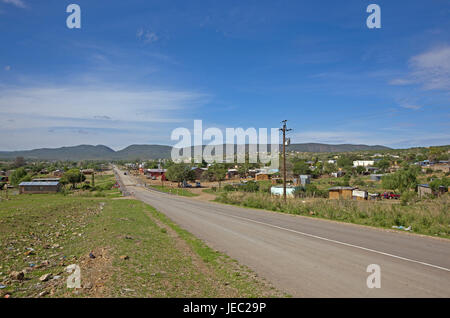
point(442, 165)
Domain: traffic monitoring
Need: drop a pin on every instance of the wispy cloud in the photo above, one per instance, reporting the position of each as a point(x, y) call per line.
point(17, 3)
point(408, 104)
point(430, 69)
point(147, 36)
point(38, 116)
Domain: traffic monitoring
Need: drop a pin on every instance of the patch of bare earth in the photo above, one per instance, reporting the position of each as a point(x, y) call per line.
point(96, 270)
point(222, 289)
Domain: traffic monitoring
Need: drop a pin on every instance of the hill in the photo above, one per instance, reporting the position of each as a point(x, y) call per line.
point(100, 152)
point(315, 147)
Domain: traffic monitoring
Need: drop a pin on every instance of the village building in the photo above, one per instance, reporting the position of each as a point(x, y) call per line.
point(39, 187)
point(278, 190)
point(359, 194)
point(363, 163)
point(376, 177)
point(87, 171)
point(424, 190)
point(341, 192)
point(58, 173)
point(337, 174)
point(305, 179)
point(444, 167)
point(231, 173)
point(260, 176)
point(159, 174)
point(46, 180)
point(198, 172)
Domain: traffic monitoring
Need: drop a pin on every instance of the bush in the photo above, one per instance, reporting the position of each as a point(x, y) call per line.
point(359, 182)
point(86, 186)
point(408, 197)
point(228, 188)
point(250, 186)
point(264, 186)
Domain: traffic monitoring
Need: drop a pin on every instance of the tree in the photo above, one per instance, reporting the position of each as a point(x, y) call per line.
point(219, 171)
point(329, 168)
point(18, 175)
point(74, 176)
point(243, 170)
point(383, 164)
point(401, 180)
point(345, 161)
point(301, 167)
point(19, 162)
point(436, 183)
point(360, 169)
point(151, 164)
point(179, 172)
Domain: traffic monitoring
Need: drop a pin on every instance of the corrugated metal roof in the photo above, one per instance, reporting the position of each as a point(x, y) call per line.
point(38, 183)
point(156, 170)
point(342, 188)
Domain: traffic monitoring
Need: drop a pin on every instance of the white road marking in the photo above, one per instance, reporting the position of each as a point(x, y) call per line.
point(337, 242)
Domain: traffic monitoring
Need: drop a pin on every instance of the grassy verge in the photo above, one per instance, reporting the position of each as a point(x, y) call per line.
point(136, 252)
point(177, 191)
point(426, 217)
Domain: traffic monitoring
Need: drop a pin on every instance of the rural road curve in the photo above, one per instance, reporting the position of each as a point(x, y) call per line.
point(308, 257)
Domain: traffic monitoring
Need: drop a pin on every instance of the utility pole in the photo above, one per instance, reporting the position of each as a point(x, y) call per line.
point(284, 130)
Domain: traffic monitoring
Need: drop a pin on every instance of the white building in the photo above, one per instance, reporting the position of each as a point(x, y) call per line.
point(363, 163)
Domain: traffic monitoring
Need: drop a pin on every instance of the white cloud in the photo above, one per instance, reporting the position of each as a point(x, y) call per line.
point(17, 3)
point(7, 68)
point(430, 69)
point(88, 102)
point(147, 36)
point(53, 116)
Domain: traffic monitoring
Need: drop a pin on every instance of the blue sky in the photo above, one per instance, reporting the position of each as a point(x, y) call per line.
point(138, 69)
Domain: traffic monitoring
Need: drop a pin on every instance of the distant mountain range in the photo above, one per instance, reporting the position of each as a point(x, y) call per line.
point(100, 152)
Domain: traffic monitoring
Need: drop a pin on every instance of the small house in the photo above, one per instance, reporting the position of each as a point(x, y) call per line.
point(157, 173)
point(39, 187)
point(424, 190)
point(198, 172)
point(359, 194)
point(231, 173)
point(305, 179)
point(87, 171)
point(340, 192)
point(376, 177)
point(337, 174)
point(278, 190)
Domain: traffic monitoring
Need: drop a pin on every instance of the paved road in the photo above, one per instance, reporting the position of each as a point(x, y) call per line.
point(309, 257)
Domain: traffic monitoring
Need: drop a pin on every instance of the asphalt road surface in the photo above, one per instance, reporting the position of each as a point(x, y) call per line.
point(308, 257)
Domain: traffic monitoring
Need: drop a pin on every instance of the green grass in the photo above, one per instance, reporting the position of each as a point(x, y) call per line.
point(429, 217)
point(177, 191)
point(163, 260)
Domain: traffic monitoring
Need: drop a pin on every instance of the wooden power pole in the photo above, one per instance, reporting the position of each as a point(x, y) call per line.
point(284, 130)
